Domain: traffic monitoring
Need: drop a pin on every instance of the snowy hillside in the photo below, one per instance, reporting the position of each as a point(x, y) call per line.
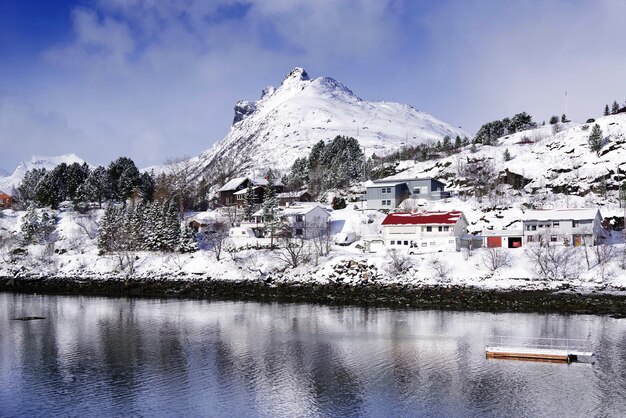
point(546, 170)
point(286, 122)
point(9, 182)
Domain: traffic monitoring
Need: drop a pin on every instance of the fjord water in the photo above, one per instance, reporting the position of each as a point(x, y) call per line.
point(118, 357)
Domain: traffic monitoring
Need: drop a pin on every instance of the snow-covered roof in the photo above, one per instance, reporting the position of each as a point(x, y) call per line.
point(3, 192)
point(384, 184)
point(236, 182)
point(423, 218)
point(244, 191)
point(300, 209)
point(287, 195)
point(560, 214)
point(233, 184)
point(406, 179)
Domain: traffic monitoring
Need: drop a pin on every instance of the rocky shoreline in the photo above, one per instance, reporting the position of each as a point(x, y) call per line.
point(567, 301)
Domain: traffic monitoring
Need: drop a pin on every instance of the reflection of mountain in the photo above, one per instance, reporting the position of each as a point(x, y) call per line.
point(151, 357)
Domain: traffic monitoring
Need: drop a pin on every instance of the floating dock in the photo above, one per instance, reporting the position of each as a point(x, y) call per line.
point(553, 350)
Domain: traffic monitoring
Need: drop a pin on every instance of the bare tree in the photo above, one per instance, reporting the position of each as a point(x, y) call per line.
point(126, 262)
point(496, 258)
point(604, 254)
point(181, 175)
point(293, 251)
point(440, 267)
point(552, 261)
point(216, 234)
point(88, 224)
point(320, 239)
point(398, 263)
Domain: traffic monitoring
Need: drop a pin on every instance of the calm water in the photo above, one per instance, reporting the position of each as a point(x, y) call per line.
point(119, 357)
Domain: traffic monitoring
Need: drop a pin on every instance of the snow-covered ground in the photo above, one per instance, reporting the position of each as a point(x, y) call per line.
point(75, 255)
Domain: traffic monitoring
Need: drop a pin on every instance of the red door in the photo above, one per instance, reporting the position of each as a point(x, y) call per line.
point(493, 242)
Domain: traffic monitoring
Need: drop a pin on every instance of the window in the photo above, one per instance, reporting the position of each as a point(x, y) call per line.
point(386, 202)
point(239, 197)
point(386, 190)
point(393, 242)
point(446, 228)
point(298, 231)
point(424, 244)
point(451, 241)
point(432, 244)
point(416, 190)
point(299, 218)
point(406, 242)
point(1, 201)
point(555, 224)
point(429, 229)
point(530, 238)
point(552, 238)
point(440, 228)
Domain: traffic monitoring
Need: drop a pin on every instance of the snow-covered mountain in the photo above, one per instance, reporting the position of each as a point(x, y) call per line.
point(287, 121)
point(9, 182)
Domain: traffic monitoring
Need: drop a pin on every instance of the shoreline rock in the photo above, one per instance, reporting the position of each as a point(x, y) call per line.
point(374, 294)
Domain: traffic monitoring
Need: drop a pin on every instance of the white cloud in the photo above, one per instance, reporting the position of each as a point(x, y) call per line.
point(156, 79)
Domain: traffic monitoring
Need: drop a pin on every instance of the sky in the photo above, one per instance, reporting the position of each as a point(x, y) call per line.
point(157, 80)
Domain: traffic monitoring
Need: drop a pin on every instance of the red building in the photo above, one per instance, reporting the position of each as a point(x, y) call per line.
point(6, 201)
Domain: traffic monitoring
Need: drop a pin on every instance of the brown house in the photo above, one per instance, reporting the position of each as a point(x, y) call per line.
point(233, 193)
point(6, 201)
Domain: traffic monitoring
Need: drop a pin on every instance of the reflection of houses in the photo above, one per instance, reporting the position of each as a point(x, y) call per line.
point(299, 219)
point(233, 193)
point(388, 194)
point(6, 201)
point(287, 198)
point(571, 226)
point(505, 238)
point(427, 231)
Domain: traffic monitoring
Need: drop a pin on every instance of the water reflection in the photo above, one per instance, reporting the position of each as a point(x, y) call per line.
point(97, 356)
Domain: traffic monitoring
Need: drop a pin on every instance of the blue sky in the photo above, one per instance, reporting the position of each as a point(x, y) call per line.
point(155, 80)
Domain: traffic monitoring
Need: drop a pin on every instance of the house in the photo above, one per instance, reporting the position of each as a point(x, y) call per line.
point(287, 198)
point(388, 194)
point(6, 200)
point(425, 231)
point(233, 193)
point(303, 219)
point(565, 226)
point(503, 238)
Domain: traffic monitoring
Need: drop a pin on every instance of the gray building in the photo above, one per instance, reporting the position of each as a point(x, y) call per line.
point(388, 194)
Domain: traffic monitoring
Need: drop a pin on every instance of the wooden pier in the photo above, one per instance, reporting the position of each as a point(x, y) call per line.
point(553, 350)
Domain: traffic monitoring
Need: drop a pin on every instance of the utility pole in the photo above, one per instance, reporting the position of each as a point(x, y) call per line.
point(566, 115)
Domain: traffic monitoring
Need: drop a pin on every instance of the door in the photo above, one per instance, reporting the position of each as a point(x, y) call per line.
point(493, 242)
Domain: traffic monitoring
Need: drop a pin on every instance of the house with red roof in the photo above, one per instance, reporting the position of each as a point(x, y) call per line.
point(424, 231)
point(6, 200)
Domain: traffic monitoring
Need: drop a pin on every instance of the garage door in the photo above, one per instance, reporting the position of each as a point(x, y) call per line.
point(493, 242)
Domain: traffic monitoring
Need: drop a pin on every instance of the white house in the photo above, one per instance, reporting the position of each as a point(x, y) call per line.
point(304, 219)
point(569, 226)
point(425, 231)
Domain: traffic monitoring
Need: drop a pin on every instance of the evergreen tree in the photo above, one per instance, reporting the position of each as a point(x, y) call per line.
point(447, 144)
point(27, 189)
point(614, 108)
point(248, 208)
point(271, 215)
point(458, 143)
point(595, 138)
point(96, 187)
point(146, 186)
point(108, 229)
point(124, 178)
point(564, 118)
point(187, 241)
point(554, 119)
point(30, 225)
point(606, 110)
point(172, 227)
point(507, 155)
point(466, 141)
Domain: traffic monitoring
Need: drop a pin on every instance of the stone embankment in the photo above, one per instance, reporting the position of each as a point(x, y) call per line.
point(342, 288)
